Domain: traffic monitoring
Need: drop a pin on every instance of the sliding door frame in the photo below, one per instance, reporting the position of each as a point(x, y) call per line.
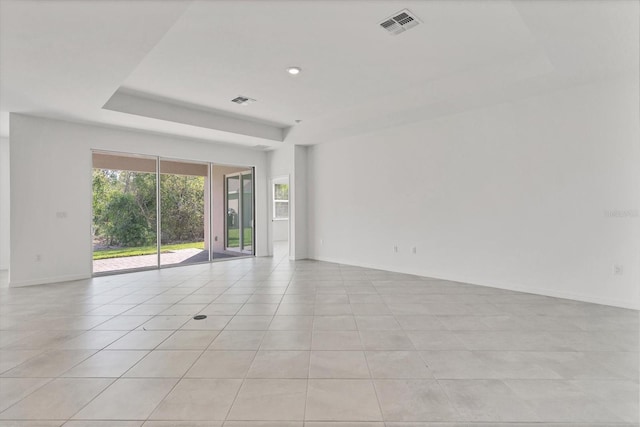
point(158, 213)
point(208, 188)
point(240, 175)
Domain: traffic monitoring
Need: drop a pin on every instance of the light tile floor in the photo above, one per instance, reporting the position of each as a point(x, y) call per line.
point(309, 344)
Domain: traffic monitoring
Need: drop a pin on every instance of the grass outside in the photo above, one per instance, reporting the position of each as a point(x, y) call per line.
point(234, 241)
point(143, 250)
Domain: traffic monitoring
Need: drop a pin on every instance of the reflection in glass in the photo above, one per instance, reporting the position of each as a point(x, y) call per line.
point(233, 213)
point(247, 212)
point(280, 201)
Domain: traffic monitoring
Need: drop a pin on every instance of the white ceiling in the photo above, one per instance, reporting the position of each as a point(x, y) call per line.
point(184, 61)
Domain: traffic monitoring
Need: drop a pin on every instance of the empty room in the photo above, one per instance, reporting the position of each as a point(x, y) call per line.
point(319, 213)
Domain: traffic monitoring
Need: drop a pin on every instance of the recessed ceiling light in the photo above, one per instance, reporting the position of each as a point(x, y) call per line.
point(294, 70)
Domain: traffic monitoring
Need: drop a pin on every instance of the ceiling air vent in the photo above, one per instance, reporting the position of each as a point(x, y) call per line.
point(243, 100)
point(400, 22)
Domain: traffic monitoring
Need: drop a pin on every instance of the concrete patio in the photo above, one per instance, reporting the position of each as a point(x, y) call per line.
point(181, 256)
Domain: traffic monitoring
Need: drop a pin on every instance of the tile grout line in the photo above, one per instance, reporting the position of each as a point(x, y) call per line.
point(235, 398)
point(371, 379)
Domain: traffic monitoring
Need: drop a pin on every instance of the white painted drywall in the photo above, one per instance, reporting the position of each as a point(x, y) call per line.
point(131, 102)
point(298, 209)
point(281, 161)
point(4, 203)
point(515, 196)
point(51, 177)
point(280, 230)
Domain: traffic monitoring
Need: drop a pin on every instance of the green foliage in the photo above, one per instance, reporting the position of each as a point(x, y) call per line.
point(125, 223)
point(182, 208)
point(281, 192)
point(102, 189)
point(233, 237)
point(143, 250)
point(124, 208)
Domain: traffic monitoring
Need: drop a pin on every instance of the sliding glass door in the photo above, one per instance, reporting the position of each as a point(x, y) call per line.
point(232, 232)
point(239, 208)
point(184, 219)
point(124, 229)
point(247, 212)
point(150, 212)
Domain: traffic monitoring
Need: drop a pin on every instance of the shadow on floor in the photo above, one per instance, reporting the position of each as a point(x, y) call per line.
point(204, 257)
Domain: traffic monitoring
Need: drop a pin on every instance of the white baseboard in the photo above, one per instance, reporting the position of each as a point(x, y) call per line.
point(633, 305)
point(47, 280)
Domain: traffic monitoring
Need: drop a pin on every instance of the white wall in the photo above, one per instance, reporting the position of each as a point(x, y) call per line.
point(298, 203)
point(280, 230)
point(51, 174)
point(513, 196)
point(4, 203)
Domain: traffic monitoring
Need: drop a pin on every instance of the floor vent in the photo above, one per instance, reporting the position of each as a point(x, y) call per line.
point(400, 22)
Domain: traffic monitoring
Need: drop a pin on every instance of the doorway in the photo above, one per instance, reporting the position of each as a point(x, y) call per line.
point(280, 216)
point(239, 212)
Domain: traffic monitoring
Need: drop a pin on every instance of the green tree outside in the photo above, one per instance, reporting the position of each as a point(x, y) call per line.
point(124, 208)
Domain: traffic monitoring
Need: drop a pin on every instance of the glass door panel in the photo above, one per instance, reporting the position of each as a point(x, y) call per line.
point(124, 213)
point(233, 218)
point(247, 213)
point(184, 219)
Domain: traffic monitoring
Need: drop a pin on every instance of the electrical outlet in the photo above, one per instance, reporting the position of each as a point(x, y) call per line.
point(321, 242)
point(38, 258)
point(61, 215)
point(414, 250)
point(618, 270)
point(395, 248)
